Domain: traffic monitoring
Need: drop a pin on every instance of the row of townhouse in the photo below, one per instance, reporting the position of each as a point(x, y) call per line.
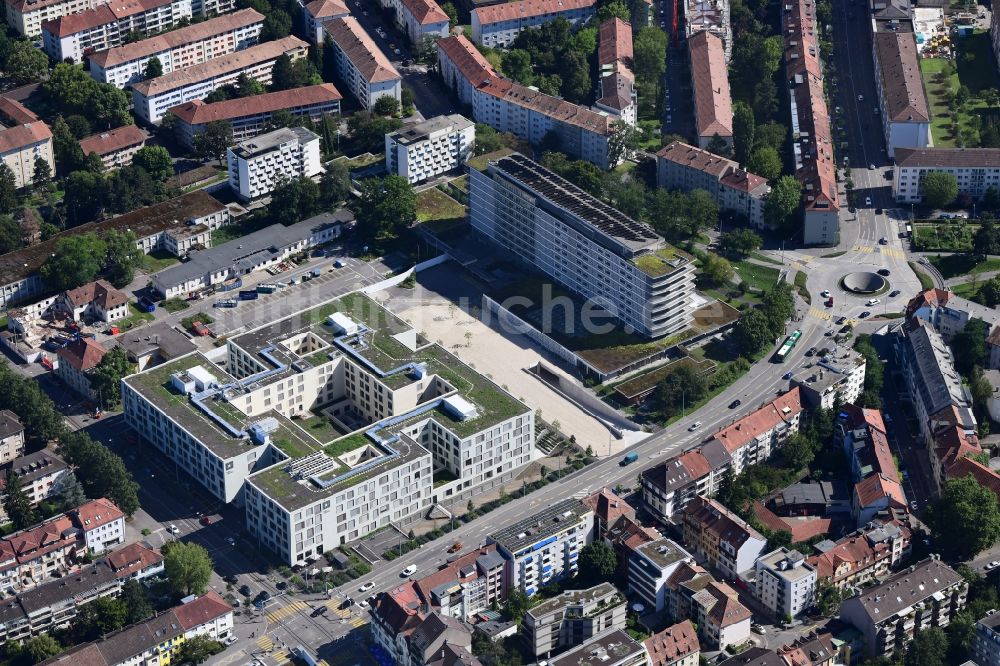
point(29, 557)
point(812, 143)
point(410, 408)
point(497, 26)
point(976, 170)
point(616, 78)
point(720, 538)
point(511, 107)
point(877, 488)
point(670, 486)
point(582, 243)
point(27, 16)
point(153, 642)
point(153, 97)
point(75, 36)
point(362, 68)
point(247, 117)
point(125, 64)
point(683, 167)
point(175, 226)
point(713, 606)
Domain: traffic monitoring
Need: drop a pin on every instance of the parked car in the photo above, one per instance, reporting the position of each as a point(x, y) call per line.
point(408, 571)
point(894, 293)
point(245, 590)
point(884, 272)
point(873, 301)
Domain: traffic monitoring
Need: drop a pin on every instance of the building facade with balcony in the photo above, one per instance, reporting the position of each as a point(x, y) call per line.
point(423, 150)
point(258, 165)
point(572, 618)
point(785, 583)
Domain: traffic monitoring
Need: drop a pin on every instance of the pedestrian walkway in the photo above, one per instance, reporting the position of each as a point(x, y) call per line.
point(285, 611)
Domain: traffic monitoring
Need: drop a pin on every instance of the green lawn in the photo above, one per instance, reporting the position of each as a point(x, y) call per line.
point(157, 261)
point(925, 280)
point(227, 233)
point(757, 276)
point(979, 72)
point(963, 264)
point(433, 204)
point(135, 317)
point(944, 237)
point(172, 305)
point(940, 106)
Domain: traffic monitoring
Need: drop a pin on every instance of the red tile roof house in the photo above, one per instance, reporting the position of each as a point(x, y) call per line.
point(95, 300)
point(44, 550)
point(607, 508)
point(421, 19)
point(75, 362)
point(116, 147)
point(103, 524)
point(136, 560)
point(676, 645)
point(756, 436)
point(318, 12)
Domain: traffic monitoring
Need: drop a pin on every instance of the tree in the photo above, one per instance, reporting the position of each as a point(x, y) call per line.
point(156, 161)
point(69, 87)
point(622, 140)
point(517, 605)
point(614, 9)
point(294, 200)
point(449, 9)
point(277, 24)
point(739, 243)
point(102, 472)
point(10, 234)
point(650, 57)
point(517, 65)
point(101, 616)
point(154, 68)
point(196, 649)
point(188, 568)
point(93, 163)
point(744, 127)
point(597, 563)
point(386, 105)
point(283, 75)
point(799, 451)
point(65, 147)
point(782, 202)
point(32, 651)
point(969, 346)
point(25, 63)
point(108, 106)
point(42, 172)
point(928, 648)
point(8, 190)
point(107, 376)
point(989, 292)
point(368, 131)
point(385, 205)
point(71, 493)
point(679, 390)
point(213, 142)
point(76, 260)
point(965, 520)
point(137, 606)
point(991, 199)
point(765, 162)
point(334, 185)
point(16, 503)
point(940, 188)
point(752, 333)
point(987, 238)
point(717, 270)
point(122, 258)
point(828, 598)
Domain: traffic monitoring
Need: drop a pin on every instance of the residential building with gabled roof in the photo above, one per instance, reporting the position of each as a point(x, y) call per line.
point(722, 538)
point(677, 645)
point(317, 12)
point(713, 102)
point(116, 147)
point(98, 300)
point(419, 19)
point(466, 585)
point(361, 66)
point(615, 70)
point(498, 25)
point(76, 361)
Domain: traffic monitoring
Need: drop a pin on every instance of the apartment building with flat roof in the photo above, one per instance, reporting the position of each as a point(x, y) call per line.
point(985, 648)
point(572, 618)
point(401, 425)
point(545, 547)
point(259, 164)
point(421, 150)
point(713, 102)
point(249, 116)
point(683, 167)
point(975, 169)
point(466, 585)
point(73, 36)
point(785, 583)
point(361, 66)
point(590, 248)
point(812, 140)
point(650, 566)
point(498, 25)
point(837, 375)
point(116, 147)
point(889, 615)
point(194, 44)
point(153, 97)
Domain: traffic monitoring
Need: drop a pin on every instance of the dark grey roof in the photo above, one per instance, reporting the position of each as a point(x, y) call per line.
point(542, 525)
point(9, 424)
point(904, 589)
point(991, 620)
point(121, 647)
point(490, 560)
point(755, 656)
point(938, 383)
point(716, 454)
point(162, 338)
point(608, 648)
point(83, 583)
point(36, 465)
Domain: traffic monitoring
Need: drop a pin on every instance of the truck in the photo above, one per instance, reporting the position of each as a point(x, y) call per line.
point(247, 295)
point(227, 303)
point(267, 288)
point(145, 304)
point(629, 458)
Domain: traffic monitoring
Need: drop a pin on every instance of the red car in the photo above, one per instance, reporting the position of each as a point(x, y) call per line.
point(200, 328)
point(205, 520)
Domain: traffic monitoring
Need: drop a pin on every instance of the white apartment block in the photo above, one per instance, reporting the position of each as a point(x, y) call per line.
point(11, 437)
point(40, 473)
point(545, 547)
point(510, 107)
point(650, 566)
point(27, 16)
point(249, 116)
point(837, 376)
point(497, 26)
point(709, 16)
point(985, 648)
point(74, 36)
point(975, 169)
point(361, 66)
point(419, 19)
point(420, 151)
point(590, 248)
point(785, 584)
point(258, 165)
point(407, 425)
point(125, 64)
point(103, 524)
point(683, 167)
point(318, 12)
point(572, 618)
point(152, 98)
point(21, 145)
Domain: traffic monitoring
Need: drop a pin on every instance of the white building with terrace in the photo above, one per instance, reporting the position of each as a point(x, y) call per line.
point(331, 424)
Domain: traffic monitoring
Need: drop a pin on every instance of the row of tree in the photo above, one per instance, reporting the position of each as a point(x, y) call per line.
point(761, 327)
point(82, 258)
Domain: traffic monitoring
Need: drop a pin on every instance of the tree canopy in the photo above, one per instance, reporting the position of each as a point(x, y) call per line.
point(940, 188)
point(188, 568)
point(965, 519)
point(782, 202)
point(597, 563)
point(386, 205)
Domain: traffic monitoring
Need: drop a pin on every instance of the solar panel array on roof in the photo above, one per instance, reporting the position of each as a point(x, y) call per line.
point(570, 197)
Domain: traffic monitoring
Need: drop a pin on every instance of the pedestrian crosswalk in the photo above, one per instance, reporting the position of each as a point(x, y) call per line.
point(820, 314)
point(893, 252)
point(322, 662)
point(862, 248)
point(333, 606)
point(281, 657)
point(883, 249)
point(265, 643)
point(285, 611)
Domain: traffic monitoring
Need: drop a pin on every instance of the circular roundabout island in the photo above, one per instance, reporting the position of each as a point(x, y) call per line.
point(864, 282)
